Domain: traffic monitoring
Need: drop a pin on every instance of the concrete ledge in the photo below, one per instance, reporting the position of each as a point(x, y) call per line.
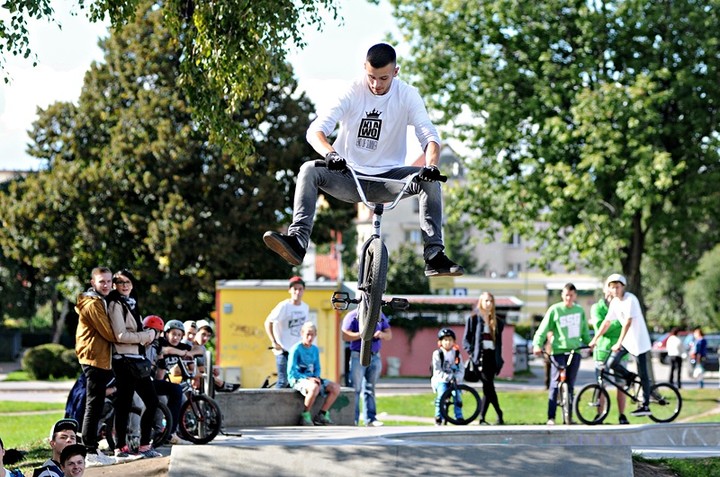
point(278, 407)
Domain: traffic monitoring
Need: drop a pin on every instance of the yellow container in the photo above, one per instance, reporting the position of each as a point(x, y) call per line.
point(242, 346)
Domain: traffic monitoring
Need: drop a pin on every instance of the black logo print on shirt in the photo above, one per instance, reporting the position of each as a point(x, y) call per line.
point(369, 132)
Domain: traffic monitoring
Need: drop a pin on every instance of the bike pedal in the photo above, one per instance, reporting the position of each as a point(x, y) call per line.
point(399, 304)
point(340, 300)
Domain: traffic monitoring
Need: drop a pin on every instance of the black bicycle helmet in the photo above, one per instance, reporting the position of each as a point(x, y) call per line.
point(446, 332)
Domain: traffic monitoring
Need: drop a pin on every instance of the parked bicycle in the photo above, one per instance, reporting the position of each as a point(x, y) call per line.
point(372, 270)
point(593, 401)
point(460, 404)
point(564, 397)
point(200, 416)
point(161, 425)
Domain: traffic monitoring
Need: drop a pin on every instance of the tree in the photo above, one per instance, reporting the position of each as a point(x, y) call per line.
point(405, 272)
point(227, 51)
point(595, 124)
point(702, 292)
point(135, 182)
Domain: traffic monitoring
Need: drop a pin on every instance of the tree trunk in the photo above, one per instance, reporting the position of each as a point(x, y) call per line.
point(60, 323)
point(633, 259)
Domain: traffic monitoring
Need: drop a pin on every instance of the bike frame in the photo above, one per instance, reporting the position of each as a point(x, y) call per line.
point(606, 377)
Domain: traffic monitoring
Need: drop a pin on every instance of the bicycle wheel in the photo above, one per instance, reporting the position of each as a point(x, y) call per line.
point(460, 405)
point(162, 425)
point(375, 277)
point(563, 402)
point(592, 404)
point(200, 420)
point(665, 402)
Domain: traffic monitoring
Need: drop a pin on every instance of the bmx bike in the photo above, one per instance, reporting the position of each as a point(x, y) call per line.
point(564, 397)
point(372, 269)
point(593, 401)
point(200, 416)
point(460, 404)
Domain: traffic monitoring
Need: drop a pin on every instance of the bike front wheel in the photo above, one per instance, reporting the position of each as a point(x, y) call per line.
point(665, 402)
point(592, 404)
point(375, 278)
point(564, 402)
point(460, 405)
point(162, 425)
point(200, 420)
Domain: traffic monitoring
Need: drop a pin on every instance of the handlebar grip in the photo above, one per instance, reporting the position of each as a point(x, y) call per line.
point(442, 178)
point(320, 163)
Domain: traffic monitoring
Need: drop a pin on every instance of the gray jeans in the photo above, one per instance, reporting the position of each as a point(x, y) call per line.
point(341, 186)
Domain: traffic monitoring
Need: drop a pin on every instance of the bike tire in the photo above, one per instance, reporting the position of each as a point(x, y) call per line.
point(665, 402)
point(460, 405)
point(564, 402)
point(202, 426)
point(592, 404)
point(162, 426)
point(375, 275)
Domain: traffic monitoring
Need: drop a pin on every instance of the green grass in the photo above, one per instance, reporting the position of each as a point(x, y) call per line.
point(25, 376)
point(26, 426)
point(530, 407)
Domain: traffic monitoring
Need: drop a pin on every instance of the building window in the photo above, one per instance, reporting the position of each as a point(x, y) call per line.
point(514, 240)
point(413, 236)
point(514, 270)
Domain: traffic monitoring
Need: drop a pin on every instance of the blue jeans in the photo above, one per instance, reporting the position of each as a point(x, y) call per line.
point(363, 379)
point(570, 375)
point(441, 388)
point(340, 185)
point(281, 360)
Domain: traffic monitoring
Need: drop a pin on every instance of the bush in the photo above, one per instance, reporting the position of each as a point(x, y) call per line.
point(50, 360)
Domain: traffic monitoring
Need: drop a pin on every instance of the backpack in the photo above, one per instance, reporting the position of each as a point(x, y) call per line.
point(75, 405)
point(442, 358)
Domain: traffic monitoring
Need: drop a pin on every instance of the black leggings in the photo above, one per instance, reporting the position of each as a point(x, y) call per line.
point(489, 369)
point(127, 385)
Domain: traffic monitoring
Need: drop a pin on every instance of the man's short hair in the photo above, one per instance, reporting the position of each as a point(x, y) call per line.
point(63, 425)
point(71, 451)
point(381, 55)
point(205, 324)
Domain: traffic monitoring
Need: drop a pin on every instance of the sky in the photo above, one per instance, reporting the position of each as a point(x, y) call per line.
point(331, 59)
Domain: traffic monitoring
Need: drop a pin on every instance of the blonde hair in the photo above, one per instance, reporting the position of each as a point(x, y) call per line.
point(308, 325)
point(492, 317)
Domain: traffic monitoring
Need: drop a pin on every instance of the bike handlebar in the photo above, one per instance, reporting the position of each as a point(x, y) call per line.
point(321, 163)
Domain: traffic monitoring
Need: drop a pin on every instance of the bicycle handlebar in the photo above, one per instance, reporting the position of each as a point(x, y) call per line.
point(321, 163)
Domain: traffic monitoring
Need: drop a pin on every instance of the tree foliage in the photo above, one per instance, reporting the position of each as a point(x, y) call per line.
point(405, 272)
point(133, 180)
point(227, 51)
point(702, 292)
point(596, 120)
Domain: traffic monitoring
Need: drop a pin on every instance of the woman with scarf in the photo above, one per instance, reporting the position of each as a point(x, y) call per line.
point(130, 365)
point(483, 342)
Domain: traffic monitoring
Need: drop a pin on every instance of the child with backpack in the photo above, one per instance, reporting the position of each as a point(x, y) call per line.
point(446, 366)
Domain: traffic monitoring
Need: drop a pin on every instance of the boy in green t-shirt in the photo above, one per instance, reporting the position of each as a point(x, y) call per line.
point(602, 350)
point(566, 320)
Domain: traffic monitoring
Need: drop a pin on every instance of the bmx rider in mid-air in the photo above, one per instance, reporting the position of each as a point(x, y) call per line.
point(373, 115)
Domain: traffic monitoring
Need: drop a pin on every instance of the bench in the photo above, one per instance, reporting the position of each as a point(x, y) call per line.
point(279, 407)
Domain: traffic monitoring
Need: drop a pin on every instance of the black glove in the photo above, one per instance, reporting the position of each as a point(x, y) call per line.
point(429, 174)
point(334, 161)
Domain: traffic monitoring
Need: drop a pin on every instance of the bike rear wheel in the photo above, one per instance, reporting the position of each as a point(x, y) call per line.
point(592, 404)
point(200, 420)
point(460, 405)
point(665, 402)
point(162, 426)
point(375, 277)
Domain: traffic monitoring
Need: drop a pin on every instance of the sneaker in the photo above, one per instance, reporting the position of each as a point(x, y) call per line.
point(227, 387)
point(441, 266)
point(98, 459)
point(551, 422)
point(149, 452)
point(125, 455)
point(623, 420)
point(641, 411)
point(287, 246)
point(305, 419)
point(323, 419)
point(438, 421)
point(176, 440)
point(375, 423)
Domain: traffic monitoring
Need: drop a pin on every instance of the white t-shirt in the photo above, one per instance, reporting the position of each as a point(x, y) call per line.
point(287, 319)
point(674, 346)
point(373, 129)
point(637, 339)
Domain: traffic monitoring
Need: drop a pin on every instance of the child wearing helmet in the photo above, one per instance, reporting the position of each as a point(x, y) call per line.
point(446, 366)
point(172, 349)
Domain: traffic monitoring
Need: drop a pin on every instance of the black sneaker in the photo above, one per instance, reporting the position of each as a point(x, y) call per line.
point(441, 266)
point(287, 246)
point(228, 387)
point(641, 411)
point(623, 420)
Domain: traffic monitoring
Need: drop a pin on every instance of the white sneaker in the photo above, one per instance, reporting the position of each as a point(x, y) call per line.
point(551, 422)
point(99, 459)
point(375, 423)
point(178, 441)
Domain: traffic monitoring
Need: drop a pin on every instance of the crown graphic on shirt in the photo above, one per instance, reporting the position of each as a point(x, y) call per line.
point(374, 114)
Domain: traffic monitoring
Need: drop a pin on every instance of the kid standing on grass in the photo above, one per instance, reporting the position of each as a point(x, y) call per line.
point(446, 366)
